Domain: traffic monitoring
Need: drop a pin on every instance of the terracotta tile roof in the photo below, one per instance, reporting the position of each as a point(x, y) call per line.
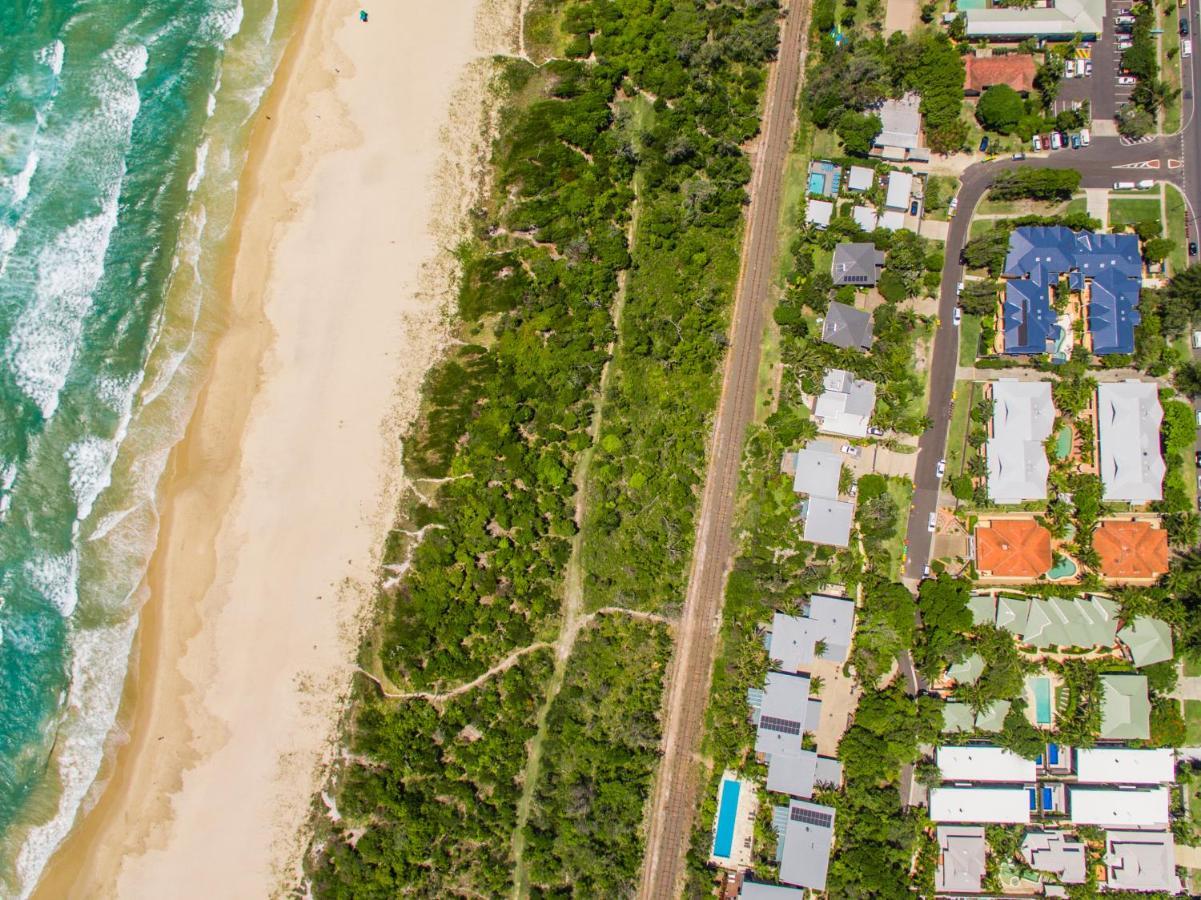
point(1015, 70)
point(1131, 549)
point(1013, 548)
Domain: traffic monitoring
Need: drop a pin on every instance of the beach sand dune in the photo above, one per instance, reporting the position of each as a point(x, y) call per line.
point(277, 501)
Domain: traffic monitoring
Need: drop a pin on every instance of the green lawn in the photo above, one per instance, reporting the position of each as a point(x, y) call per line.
point(1079, 205)
point(979, 226)
point(1192, 666)
point(1177, 230)
point(1169, 65)
point(796, 171)
point(957, 433)
point(1128, 211)
point(946, 187)
point(1192, 722)
point(969, 339)
point(901, 491)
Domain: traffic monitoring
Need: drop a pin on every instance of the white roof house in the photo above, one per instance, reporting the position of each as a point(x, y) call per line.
point(819, 212)
point(901, 123)
point(1128, 422)
point(961, 854)
point(845, 405)
point(985, 764)
point(818, 469)
point(1121, 765)
point(1141, 861)
point(757, 890)
point(1023, 416)
point(900, 187)
point(865, 217)
point(892, 220)
point(1052, 851)
point(1136, 808)
point(861, 178)
point(783, 714)
point(984, 805)
point(1065, 18)
point(792, 641)
point(828, 521)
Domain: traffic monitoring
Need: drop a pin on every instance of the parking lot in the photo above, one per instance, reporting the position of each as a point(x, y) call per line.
point(1101, 88)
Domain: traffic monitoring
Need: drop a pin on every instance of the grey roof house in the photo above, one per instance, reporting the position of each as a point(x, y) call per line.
point(901, 125)
point(827, 521)
point(845, 405)
point(1023, 416)
point(806, 834)
point(1141, 861)
point(858, 265)
point(792, 640)
point(818, 469)
point(1051, 851)
point(782, 712)
point(846, 327)
point(961, 852)
point(758, 890)
point(1128, 425)
point(1058, 19)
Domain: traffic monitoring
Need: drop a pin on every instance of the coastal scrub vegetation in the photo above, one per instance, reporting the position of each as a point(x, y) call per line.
point(636, 130)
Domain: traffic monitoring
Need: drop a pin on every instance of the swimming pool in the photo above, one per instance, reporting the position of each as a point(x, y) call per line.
point(1064, 568)
point(817, 183)
point(727, 813)
point(1063, 442)
point(1041, 688)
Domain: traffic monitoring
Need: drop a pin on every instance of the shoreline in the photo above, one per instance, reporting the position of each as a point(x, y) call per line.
point(232, 613)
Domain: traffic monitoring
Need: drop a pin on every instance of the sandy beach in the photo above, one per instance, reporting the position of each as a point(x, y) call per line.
point(276, 502)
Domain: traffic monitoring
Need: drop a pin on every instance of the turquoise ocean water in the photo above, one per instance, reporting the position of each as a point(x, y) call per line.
point(123, 130)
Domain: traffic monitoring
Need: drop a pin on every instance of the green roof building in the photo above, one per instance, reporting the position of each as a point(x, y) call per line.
point(957, 717)
point(993, 718)
point(1056, 622)
point(1125, 707)
point(1148, 640)
point(983, 608)
point(968, 671)
point(1012, 613)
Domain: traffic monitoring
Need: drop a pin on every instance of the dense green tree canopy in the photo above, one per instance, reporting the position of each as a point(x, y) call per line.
point(1000, 108)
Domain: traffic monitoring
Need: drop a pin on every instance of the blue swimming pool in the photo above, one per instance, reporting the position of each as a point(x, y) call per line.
point(1053, 754)
point(1041, 687)
point(727, 813)
point(817, 183)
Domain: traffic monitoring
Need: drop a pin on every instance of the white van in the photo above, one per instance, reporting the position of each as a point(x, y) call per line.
point(1186, 48)
point(1146, 184)
point(1197, 340)
point(1084, 137)
point(1123, 185)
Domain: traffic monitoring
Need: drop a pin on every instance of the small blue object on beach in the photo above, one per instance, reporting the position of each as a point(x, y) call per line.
point(362, 15)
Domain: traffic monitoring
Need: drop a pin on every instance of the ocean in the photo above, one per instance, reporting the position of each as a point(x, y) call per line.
point(123, 132)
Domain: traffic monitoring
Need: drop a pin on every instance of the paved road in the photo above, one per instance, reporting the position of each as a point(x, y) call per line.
point(674, 802)
point(1100, 165)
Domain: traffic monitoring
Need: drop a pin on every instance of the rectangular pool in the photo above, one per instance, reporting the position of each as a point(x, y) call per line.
point(727, 814)
point(1041, 687)
point(817, 183)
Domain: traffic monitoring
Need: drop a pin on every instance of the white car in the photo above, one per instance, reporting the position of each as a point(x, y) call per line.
point(1084, 137)
point(849, 450)
point(933, 522)
point(1056, 143)
point(1036, 143)
point(1088, 67)
point(1126, 80)
point(957, 316)
point(941, 469)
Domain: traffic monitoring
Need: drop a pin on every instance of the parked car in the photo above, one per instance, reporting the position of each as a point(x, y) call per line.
point(1197, 340)
point(1126, 79)
point(959, 289)
point(850, 450)
point(1085, 137)
point(1192, 248)
point(957, 317)
point(1036, 143)
point(875, 431)
point(1056, 143)
point(1184, 26)
point(1186, 48)
point(984, 143)
point(1019, 156)
point(1199, 418)
point(941, 469)
point(913, 207)
point(1075, 142)
point(926, 568)
point(1088, 67)
point(1197, 456)
point(1124, 44)
point(933, 521)
point(954, 202)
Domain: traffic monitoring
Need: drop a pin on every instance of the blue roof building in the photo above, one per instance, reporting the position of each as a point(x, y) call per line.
point(1110, 264)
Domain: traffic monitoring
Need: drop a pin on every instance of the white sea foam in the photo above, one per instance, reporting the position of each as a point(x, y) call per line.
point(90, 462)
point(222, 24)
point(52, 55)
point(17, 186)
point(45, 338)
point(97, 675)
point(202, 152)
point(56, 578)
point(131, 59)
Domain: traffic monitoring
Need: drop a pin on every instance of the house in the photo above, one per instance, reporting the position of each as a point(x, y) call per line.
point(961, 852)
point(900, 188)
point(757, 890)
point(1081, 622)
point(818, 213)
point(792, 641)
point(1125, 765)
point(957, 717)
point(1129, 808)
point(1128, 425)
point(992, 717)
point(858, 265)
point(1147, 641)
point(1022, 419)
point(967, 671)
point(796, 775)
point(1141, 861)
point(1012, 613)
point(827, 521)
point(1108, 266)
point(1059, 19)
point(901, 125)
point(861, 178)
point(983, 805)
point(806, 833)
point(865, 217)
point(1013, 548)
point(818, 469)
point(1015, 69)
point(1054, 852)
point(846, 327)
point(983, 608)
point(1125, 708)
point(845, 405)
point(1131, 550)
point(978, 763)
point(782, 712)
point(892, 220)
